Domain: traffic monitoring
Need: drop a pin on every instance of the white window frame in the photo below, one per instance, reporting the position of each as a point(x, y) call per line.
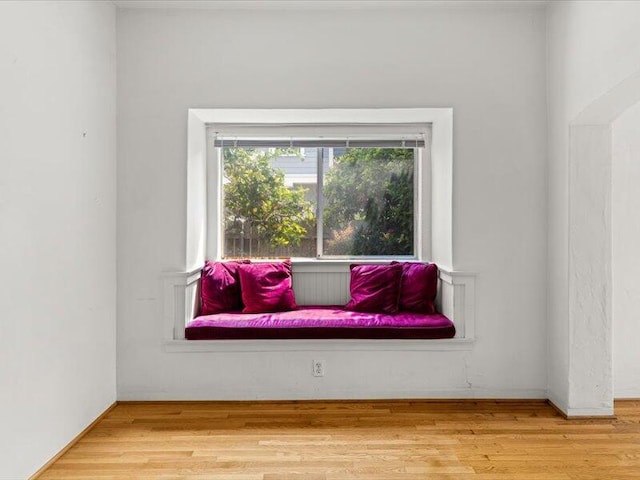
point(210, 234)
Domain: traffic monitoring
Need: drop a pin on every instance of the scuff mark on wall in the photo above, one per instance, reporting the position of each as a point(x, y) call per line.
point(467, 366)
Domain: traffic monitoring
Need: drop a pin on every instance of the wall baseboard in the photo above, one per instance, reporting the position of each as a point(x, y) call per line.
point(75, 440)
point(125, 394)
point(627, 395)
point(569, 416)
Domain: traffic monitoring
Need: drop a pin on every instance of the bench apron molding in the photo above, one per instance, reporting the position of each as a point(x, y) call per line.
point(180, 294)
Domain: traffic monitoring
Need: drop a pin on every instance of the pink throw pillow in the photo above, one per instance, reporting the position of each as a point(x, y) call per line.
point(419, 287)
point(220, 287)
point(267, 287)
point(375, 288)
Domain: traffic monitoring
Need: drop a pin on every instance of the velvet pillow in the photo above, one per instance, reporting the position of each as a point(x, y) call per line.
point(375, 288)
point(267, 287)
point(418, 287)
point(220, 287)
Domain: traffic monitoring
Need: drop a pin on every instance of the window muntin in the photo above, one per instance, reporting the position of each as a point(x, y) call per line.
point(274, 197)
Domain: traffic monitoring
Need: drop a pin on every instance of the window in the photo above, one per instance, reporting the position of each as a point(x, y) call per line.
point(294, 141)
point(322, 201)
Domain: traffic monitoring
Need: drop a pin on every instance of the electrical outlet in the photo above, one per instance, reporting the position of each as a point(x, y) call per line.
point(318, 368)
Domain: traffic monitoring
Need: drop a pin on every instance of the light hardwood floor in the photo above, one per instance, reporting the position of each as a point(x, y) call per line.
point(354, 440)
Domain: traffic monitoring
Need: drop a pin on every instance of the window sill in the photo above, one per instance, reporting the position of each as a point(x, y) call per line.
point(359, 345)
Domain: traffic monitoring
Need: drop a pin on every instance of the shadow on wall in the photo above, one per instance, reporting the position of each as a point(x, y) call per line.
point(625, 228)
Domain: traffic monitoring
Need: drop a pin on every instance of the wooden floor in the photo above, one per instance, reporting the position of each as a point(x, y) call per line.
point(354, 440)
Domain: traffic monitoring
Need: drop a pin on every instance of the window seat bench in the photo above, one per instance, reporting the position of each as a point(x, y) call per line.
point(319, 322)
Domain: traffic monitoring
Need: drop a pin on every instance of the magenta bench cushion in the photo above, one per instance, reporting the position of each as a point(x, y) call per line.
point(312, 322)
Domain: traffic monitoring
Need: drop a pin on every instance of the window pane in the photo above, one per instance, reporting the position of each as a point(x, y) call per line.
point(269, 202)
point(368, 202)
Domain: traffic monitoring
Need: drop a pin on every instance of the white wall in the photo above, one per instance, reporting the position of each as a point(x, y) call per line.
point(57, 224)
point(486, 63)
point(592, 47)
point(626, 257)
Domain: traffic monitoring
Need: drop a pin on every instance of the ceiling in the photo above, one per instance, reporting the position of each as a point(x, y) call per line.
point(324, 4)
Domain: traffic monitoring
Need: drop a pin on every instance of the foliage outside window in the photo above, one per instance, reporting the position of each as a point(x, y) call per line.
point(276, 203)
